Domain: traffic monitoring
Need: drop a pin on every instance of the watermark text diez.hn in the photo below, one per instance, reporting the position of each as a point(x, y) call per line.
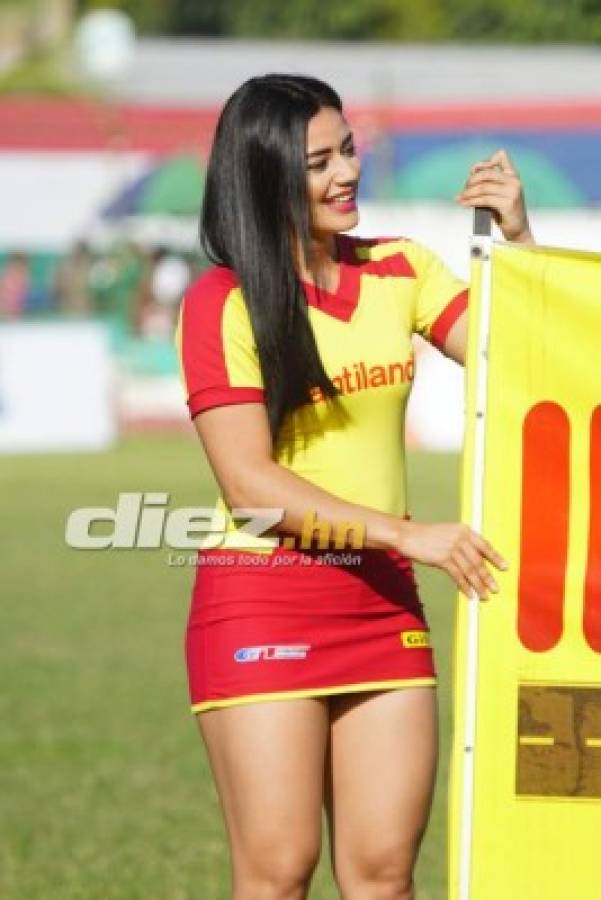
point(142, 521)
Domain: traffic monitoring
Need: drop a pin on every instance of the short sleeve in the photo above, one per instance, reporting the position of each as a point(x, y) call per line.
point(440, 297)
point(218, 356)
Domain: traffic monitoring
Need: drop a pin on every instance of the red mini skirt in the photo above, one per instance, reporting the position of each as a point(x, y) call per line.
point(286, 624)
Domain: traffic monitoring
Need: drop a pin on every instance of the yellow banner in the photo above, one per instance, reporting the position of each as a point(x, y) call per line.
point(525, 792)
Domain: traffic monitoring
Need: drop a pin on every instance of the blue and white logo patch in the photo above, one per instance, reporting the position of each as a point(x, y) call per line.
point(271, 651)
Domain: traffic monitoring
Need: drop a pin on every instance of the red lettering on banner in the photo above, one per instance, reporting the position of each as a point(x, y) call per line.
point(544, 525)
point(591, 623)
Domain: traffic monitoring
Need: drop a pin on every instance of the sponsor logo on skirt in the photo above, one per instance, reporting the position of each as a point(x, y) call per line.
point(271, 651)
point(415, 638)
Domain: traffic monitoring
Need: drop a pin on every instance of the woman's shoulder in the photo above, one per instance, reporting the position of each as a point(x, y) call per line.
point(215, 282)
point(211, 298)
point(213, 294)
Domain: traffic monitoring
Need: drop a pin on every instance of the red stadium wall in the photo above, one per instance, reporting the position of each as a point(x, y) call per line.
point(44, 124)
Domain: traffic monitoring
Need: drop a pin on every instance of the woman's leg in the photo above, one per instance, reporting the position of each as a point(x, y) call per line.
point(268, 763)
point(380, 774)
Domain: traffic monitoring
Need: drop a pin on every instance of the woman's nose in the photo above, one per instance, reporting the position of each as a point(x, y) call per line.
point(347, 169)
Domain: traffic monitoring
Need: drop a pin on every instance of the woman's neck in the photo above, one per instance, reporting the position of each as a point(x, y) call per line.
point(323, 267)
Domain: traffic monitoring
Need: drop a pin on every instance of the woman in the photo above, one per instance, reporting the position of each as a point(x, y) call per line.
point(312, 674)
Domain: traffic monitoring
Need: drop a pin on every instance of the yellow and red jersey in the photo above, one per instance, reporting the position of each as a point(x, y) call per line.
point(353, 446)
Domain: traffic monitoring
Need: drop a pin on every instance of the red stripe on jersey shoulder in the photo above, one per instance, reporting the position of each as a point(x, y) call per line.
point(395, 265)
point(203, 356)
point(445, 321)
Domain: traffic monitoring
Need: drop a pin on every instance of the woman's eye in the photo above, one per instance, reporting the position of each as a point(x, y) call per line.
point(348, 150)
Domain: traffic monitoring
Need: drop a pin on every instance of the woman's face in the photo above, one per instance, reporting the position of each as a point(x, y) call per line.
point(333, 171)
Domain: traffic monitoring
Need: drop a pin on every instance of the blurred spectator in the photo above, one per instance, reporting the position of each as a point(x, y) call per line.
point(15, 284)
point(170, 279)
point(72, 283)
point(115, 281)
point(144, 299)
point(160, 294)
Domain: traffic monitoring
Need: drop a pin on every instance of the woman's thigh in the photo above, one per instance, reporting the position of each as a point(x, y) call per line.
point(267, 760)
point(380, 775)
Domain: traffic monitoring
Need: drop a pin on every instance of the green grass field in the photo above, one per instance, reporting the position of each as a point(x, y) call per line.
point(105, 790)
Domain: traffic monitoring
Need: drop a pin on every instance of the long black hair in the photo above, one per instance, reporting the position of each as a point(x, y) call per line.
point(255, 206)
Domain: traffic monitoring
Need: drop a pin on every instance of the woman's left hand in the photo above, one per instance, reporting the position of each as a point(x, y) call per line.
point(494, 183)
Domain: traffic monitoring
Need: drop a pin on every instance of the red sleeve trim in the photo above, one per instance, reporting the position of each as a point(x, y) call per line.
point(447, 318)
point(225, 396)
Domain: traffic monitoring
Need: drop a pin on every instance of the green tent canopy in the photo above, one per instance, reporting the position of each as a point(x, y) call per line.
point(441, 174)
point(175, 188)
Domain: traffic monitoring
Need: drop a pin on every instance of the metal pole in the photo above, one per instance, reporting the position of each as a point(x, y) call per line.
point(481, 249)
point(483, 221)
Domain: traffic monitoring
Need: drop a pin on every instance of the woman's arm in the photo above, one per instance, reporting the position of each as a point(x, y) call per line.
point(237, 442)
point(495, 184)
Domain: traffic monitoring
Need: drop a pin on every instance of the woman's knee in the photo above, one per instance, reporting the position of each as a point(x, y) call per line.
point(272, 871)
point(378, 872)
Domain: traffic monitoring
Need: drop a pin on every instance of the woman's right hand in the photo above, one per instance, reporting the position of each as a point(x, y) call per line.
point(458, 550)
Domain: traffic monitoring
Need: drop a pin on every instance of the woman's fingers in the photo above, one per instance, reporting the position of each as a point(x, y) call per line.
point(494, 183)
point(468, 568)
point(489, 552)
point(489, 175)
point(475, 571)
point(458, 550)
point(460, 580)
point(480, 196)
point(489, 187)
point(477, 567)
point(502, 159)
point(469, 580)
point(505, 189)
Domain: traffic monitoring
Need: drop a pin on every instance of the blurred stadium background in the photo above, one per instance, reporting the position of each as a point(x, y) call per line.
point(106, 119)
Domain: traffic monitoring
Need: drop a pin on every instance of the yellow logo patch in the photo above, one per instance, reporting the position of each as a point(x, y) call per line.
point(415, 638)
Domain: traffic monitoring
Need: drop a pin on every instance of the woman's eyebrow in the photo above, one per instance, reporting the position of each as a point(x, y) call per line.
point(348, 139)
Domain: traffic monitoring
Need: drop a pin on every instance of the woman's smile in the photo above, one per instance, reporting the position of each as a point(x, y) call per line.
point(343, 203)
